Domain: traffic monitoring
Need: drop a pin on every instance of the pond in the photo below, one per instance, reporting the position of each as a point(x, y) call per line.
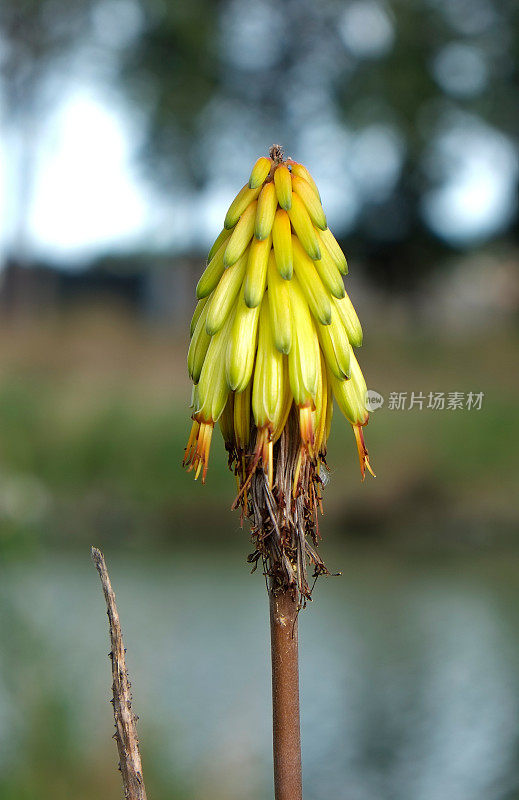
point(409, 673)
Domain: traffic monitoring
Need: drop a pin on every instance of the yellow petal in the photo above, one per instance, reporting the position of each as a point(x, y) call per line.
point(259, 172)
point(283, 183)
point(267, 204)
point(241, 236)
point(302, 225)
point(256, 275)
point(282, 242)
point(244, 197)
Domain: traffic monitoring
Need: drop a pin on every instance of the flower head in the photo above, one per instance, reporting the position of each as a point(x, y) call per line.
point(274, 330)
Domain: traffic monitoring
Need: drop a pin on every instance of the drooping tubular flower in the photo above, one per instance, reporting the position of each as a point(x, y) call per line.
point(271, 345)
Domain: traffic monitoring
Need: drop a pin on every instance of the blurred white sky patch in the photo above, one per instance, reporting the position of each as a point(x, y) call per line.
point(480, 168)
point(469, 19)
point(3, 192)
point(325, 149)
point(117, 22)
point(366, 29)
point(85, 196)
point(376, 160)
point(252, 33)
point(230, 139)
point(460, 70)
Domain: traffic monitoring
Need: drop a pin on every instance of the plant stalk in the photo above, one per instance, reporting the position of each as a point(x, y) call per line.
point(285, 695)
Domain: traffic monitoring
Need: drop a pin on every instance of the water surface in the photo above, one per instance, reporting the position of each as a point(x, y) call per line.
point(409, 672)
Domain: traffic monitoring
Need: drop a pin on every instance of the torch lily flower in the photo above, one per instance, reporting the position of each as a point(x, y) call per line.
point(272, 341)
point(274, 328)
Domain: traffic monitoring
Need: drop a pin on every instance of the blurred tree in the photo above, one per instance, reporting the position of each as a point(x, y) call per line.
point(37, 39)
point(219, 73)
point(172, 72)
point(377, 85)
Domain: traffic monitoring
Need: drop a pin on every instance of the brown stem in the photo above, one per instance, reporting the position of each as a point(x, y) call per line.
point(285, 694)
point(283, 519)
point(125, 720)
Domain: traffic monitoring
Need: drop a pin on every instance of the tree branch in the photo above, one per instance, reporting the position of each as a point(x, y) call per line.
point(125, 720)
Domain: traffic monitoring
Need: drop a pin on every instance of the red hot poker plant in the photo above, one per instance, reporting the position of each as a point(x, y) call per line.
point(272, 342)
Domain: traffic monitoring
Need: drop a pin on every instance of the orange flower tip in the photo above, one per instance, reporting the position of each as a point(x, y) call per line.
point(198, 447)
point(191, 443)
point(369, 467)
point(363, 452)
point(306, 427)
point(264, 450)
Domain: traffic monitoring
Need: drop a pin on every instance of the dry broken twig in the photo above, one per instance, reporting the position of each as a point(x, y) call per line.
point(125, 720)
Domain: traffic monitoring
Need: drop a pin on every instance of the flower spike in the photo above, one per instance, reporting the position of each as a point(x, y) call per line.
point(272, 341)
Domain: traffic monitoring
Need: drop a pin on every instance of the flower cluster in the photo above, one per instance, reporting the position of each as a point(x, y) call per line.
point(273, 331)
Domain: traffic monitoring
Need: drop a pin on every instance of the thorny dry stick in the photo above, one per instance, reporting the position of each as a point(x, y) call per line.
point(125, 720)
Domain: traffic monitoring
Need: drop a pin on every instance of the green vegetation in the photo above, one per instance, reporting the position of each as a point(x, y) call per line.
point(94, 440)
